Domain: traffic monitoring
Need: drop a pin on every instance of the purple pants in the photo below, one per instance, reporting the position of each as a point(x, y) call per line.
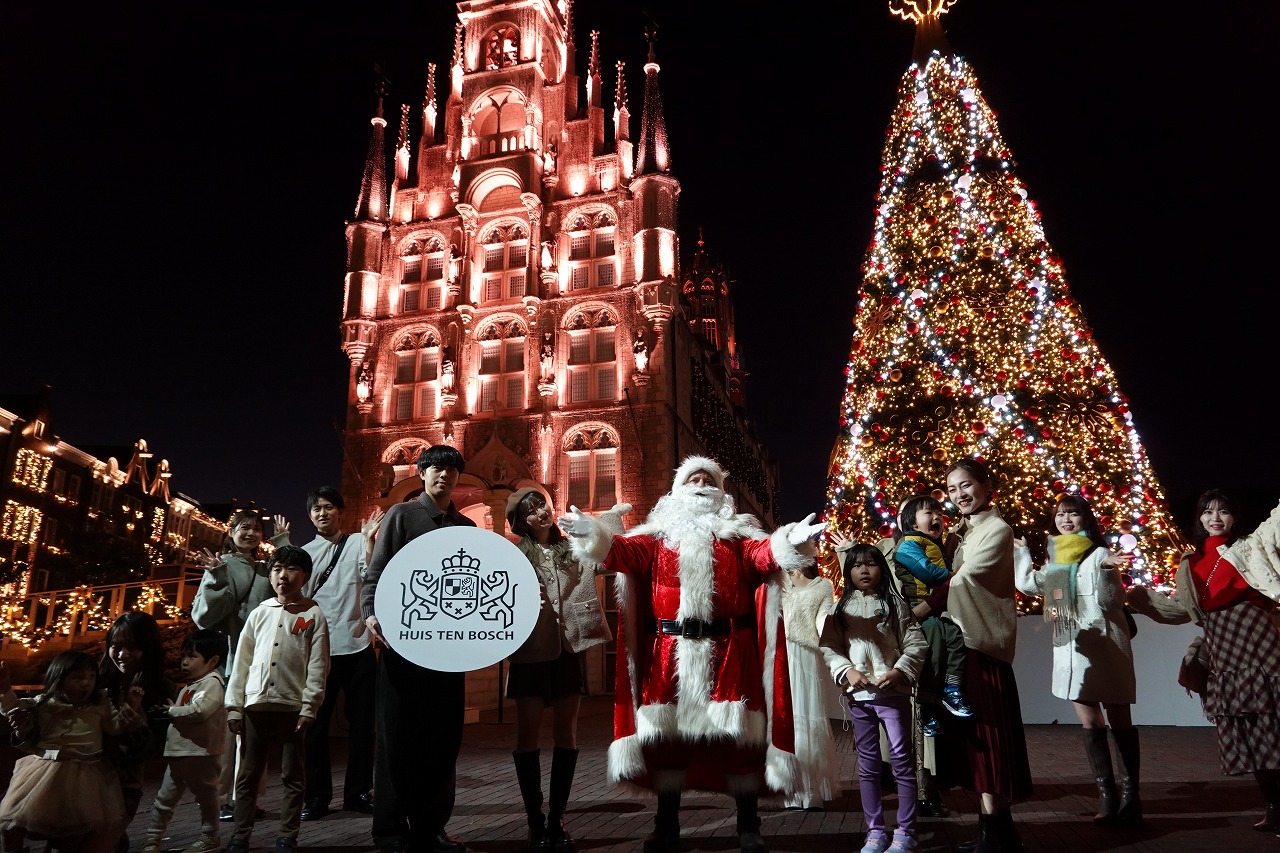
point(895, 713)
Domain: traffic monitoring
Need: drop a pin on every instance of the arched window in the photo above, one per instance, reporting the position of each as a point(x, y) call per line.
point(593, 360)
point(592, 260)
point(501, 370)
point(417, 378)
point(591, 467)
point(501, 48)
point(498, 122)
point(506, 263)
point(422, 282)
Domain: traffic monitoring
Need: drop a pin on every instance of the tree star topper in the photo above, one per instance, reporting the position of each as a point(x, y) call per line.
point(917, 10)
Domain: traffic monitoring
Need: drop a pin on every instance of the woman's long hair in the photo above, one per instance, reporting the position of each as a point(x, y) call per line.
point(1091, 527)
point(1229, 503)
point(141, 631)
point(519, 518)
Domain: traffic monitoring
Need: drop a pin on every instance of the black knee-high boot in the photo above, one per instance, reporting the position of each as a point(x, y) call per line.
point(564, 763)
point(1269, 783)
point(529, 775)
point(1098, 749)
point(666, 824)
point(749, 838)
point(1130, 760)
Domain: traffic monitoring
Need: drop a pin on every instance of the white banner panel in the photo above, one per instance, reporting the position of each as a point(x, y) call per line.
point(457, 599)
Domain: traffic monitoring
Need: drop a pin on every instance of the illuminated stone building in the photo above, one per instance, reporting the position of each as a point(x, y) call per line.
point(56, 497)
point(514, 289)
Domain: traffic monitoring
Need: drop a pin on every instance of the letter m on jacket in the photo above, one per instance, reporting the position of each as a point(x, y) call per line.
point(301, 625)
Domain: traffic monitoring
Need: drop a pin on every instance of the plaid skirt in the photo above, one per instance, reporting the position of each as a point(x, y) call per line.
point(1243, 695)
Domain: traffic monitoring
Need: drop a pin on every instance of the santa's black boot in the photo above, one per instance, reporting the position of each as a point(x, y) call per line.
point(666, 824)
point(749, 838)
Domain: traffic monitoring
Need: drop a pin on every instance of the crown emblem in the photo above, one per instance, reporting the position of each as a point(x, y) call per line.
point(461, 562)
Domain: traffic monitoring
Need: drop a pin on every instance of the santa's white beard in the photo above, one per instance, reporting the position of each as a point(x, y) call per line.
point(688, 519)
point(688, 513)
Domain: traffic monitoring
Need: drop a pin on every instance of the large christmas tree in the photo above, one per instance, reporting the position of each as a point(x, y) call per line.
point(967, 339)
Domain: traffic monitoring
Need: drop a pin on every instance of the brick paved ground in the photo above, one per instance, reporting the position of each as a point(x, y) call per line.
point(1190, 806)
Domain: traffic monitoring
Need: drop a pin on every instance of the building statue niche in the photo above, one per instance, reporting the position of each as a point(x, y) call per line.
point(455, 263)
point(546, 358)
point(549, 155)
point(641, 350)
point(548, 258)
point(447, 370)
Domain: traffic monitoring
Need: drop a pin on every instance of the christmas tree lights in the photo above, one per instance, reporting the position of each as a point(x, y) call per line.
point(968, 342)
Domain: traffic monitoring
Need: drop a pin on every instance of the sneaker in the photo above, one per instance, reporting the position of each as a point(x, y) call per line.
point(227, 813)
point(285, 844)
point(206, 844)
point(876, 841)
point(953, 701)
point(902, 844)
point(931, 727)
point(151, 847)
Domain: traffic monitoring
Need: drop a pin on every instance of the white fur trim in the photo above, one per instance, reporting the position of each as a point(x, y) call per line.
point(789, 557)
point(772, 616)
point(781, 770)
point(700, 463)
point(626, 759)
point(692, 720)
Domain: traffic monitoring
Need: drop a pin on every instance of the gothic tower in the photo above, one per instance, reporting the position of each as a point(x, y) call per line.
point(512, 291)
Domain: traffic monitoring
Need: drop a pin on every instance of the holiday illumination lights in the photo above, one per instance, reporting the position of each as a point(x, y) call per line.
point(968, 342)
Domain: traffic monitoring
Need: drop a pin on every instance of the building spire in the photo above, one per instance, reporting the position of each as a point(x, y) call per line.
point(621, 115)
point(372, 204)
point(593, 71)
point(429, 108)
point(455, 68)
point(654, 155)
point(402, 144)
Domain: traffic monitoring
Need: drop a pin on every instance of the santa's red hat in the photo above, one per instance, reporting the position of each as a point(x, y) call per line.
point(692, 464)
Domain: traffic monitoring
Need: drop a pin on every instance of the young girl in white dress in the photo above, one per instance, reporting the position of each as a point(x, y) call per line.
point(63, 789)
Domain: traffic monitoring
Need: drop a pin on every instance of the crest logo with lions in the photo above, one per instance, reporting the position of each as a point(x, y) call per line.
point(458, 590)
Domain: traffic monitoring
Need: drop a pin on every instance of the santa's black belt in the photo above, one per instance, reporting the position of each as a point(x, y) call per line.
point(696, 629)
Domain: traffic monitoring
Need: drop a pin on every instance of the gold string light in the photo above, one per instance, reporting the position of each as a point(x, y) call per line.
point(967, 342)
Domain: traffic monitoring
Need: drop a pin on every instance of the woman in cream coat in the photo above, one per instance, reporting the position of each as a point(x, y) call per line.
point(547, 671)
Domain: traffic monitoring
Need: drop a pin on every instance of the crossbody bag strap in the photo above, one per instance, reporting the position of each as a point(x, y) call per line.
point(337, 554)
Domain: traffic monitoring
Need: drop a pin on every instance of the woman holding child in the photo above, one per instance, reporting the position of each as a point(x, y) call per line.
point(980, 599)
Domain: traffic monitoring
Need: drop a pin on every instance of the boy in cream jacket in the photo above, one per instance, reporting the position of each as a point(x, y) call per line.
point(281, 663)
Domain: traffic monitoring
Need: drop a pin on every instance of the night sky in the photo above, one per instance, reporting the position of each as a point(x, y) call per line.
point(176, 182)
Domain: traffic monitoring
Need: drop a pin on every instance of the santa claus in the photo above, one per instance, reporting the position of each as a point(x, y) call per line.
point(702, 699)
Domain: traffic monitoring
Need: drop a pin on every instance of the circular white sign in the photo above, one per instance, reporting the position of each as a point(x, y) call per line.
point(457, 599)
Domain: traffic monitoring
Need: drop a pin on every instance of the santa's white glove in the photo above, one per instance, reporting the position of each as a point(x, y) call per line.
point(804, 531)
point(577, 523)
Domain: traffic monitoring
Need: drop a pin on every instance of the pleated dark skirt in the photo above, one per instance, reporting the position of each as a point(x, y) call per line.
point(987, 753)
point(564, 676)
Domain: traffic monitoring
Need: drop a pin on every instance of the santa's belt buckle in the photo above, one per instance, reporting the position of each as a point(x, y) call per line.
point(693, 629)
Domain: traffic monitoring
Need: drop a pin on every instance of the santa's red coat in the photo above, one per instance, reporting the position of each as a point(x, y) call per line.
point(710, 694)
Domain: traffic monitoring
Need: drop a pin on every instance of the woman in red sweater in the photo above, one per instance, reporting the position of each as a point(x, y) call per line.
point(1229, 586)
